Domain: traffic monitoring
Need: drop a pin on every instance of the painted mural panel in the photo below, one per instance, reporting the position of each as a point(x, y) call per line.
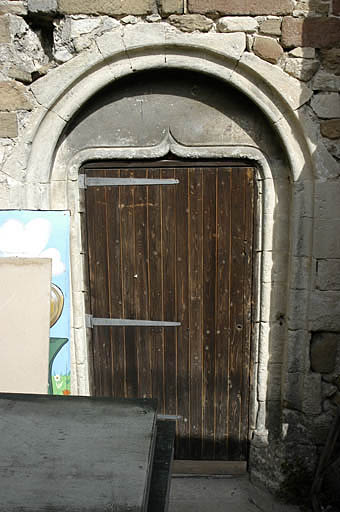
point(45, 234)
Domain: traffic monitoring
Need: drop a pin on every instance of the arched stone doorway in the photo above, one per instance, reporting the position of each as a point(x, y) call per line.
point(284, 216)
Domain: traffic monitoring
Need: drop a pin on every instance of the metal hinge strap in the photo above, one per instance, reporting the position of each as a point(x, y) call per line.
point(85, 181)
point(126, 322)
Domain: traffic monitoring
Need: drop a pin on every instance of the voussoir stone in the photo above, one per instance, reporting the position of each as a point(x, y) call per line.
point(331, 128)
point(303, 69)
point(248, 7)
point(318, 32)
point(323, 353)
point(237, 24)
point(267, 48)
point(12, 96)
point(191, 22)
point(8, 124)
point(110, 7)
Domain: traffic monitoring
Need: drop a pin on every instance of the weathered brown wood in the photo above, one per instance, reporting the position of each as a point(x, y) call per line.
point(209, 296)
point(141, 283)
point(115, 292)
point(222, 313)
point(184, 254)
point(247, 304)
point(156, 290)
point(97, 244)
point(128, 242)
point(195, 308)
point(236, 313)
point(169, 290)
point(182, 294)
point(208, 467)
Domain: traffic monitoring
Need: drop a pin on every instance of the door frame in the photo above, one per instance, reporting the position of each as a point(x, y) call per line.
point(171, 160)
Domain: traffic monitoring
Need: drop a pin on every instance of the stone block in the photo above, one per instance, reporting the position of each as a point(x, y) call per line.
point(8, 125)
point(331, 60)
point(248, 7)
point(274, 381)
point(271, 26)
point(324, 311)
point(109, 7)
point(267, 48)
point(319, 32)
point(327, 199)
point(336, 7)
point(13, 7)
point(324, 81)
point(312, 395)
point(5, 36)
point(191, 22)
point(303, 52)
point(328, 275)
point(13, 96)
point(297, 351)
point(306, 7)
point(326, 104)
point(237, 24)
point(330, 128)
point(168, 7)
point(293, 390)
point(327, 240)
point(42, 6)
point(324, 347)
point(302, 69)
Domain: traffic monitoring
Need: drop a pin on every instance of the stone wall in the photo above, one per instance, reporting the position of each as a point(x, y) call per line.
point(298, 40)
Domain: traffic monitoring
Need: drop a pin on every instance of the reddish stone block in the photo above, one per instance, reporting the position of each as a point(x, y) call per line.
point(311, 32)
point(249, 7)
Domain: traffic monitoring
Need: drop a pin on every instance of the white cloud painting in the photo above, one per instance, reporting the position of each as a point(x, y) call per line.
point(29, 240)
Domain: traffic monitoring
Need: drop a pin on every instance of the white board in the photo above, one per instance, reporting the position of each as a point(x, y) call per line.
point(25, 286)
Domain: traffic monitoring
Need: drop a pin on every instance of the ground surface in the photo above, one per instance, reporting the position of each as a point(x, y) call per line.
point(233, 494)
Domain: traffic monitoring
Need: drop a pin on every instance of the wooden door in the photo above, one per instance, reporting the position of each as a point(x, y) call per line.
point(178, 253)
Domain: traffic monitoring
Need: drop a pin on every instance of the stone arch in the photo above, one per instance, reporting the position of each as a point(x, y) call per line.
point(63, 92)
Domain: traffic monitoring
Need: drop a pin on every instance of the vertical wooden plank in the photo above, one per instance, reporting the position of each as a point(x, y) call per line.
point(195, 308)
point(209, 289)
point(96, 209)
point(236, 312)
point(168, 193)
point(222, 323)
point(247, 307)
point(128, 258)
point(141, 283)
point(155, 288)
point(182, 446)
point(114, 285)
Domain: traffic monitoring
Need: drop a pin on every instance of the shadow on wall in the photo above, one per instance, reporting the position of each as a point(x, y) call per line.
point(311, 390)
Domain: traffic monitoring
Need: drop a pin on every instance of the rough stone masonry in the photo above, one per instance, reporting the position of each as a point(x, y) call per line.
point(301, 38)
